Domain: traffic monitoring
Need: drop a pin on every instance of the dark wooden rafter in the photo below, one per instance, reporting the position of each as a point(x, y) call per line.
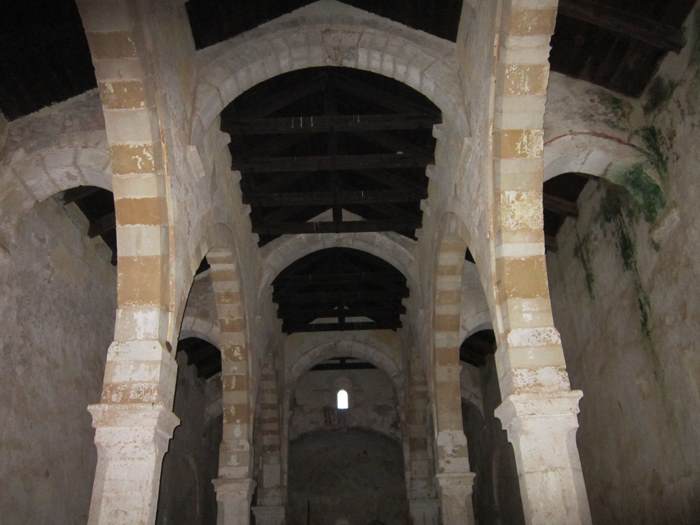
point(330, 147)
point(343, 363)
point(327, 123)
point(624, 22)
point(327, 198)
point(341, 289)
point(313, 163)
point(335, 227)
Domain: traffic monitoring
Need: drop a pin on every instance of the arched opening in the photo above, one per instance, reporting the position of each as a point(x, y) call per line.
point(191, 463)
point(342, 399)
point(339, 289)
point(58, 292)
point(496, 495)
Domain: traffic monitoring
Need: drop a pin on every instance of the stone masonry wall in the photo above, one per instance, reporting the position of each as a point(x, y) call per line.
point(626, 297)
point(57, 320)
point(373, 403)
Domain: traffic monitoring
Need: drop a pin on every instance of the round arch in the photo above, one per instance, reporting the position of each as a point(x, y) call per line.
point(282, 252)
point(29, 179)
point(370, 350)
point(327, 33)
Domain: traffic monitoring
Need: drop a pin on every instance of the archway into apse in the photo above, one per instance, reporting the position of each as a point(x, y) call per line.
point(186, 492)
point(345, 463)
point(496, 496)
point(332, 150)
point(60, 332)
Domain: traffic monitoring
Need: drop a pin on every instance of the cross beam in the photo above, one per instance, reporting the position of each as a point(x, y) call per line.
point(328, 123)
point(283, 228)
point(329, 198)
point(331, 163)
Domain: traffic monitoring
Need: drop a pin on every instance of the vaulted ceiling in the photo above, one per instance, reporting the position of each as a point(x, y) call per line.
point(618, 44)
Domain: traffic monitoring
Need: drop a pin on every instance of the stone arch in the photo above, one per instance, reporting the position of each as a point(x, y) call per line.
point(369, 350)
point(27, 179)
point(327, 33)
point(201, 328)
point(522, 309)
point(235, 458)
point(282, 252)
point(444, 359)
point(618, 162)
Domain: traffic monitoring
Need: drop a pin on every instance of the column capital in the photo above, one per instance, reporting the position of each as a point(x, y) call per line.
point(226, 488)
point(269, 515)
point(132, 425)
point(558, 408)
point(456, 483)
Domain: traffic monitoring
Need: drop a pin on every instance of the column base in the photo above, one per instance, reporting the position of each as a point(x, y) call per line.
point(233, 498)
point(424, 511)
point(542, 428)
point(455, 497)
point(269, 515)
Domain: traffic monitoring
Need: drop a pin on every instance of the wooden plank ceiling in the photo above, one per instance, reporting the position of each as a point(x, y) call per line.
point(339, 289)
point(349, 143)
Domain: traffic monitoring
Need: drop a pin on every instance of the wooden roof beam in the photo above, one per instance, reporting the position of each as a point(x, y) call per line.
point(283, 228)
point(625, 23)
point(331, 163)
point(559, 206)
point(327, 123)
point(329, 198)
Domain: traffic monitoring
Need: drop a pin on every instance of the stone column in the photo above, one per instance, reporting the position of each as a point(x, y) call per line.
point(269, 515)
point(133, 425)
point(233, 498)
point(542, 428)
point(424, 511)
point(456, 497)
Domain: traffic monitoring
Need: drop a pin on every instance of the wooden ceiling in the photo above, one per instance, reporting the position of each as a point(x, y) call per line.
point(347, 142)
point(339, 289)
point(44, 57)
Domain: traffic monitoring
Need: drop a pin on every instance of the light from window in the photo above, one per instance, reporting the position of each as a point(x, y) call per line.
point(343, 401)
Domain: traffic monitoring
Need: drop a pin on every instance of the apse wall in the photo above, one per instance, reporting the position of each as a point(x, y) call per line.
point(354, 475)
point(57, 320)
point(626, 298)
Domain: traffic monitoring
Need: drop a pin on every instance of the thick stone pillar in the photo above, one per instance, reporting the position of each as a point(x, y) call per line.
point(269, 515)
point(133, 425)
point(233, 498)
point(542, 428)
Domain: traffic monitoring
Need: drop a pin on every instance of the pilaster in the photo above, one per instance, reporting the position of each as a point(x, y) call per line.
point(233, 497)
point(455, 497)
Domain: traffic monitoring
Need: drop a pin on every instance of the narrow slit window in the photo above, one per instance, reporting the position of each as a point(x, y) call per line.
point(343, 400)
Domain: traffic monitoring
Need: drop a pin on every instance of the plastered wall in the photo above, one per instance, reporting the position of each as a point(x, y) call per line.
point(626, 299)
point(56, 319)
